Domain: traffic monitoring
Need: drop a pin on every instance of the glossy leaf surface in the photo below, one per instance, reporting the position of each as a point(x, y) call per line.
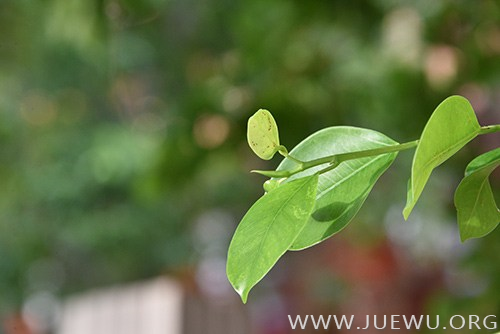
point(478, 213)
point(452, 125)
point(262, 134)
point(267, 231)
point(342, 191)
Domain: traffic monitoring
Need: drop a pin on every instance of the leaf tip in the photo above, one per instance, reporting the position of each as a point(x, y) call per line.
point(242, 291)
point(267, 173)
point(244, 297)
point(406, 211)
point(272, 173)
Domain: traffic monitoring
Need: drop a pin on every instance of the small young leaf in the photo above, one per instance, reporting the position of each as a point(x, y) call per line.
point(343, 190)
point(273, 173)
point(271, 184)
point(262, 134)
point(267, 231)
point(478, 213)
point(452, 125)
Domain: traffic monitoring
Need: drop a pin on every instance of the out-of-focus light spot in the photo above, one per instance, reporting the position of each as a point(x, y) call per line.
point(201, 67)
point(41, 312)
point(212, 232)
point(493, 40)
point(441, 65)
point(235, 99)
point(113, 10)
point(231, 62)
point(117, 153)
point(15, 323)
point(149, 122)
point(477, 95)
point(127, 93)
point(211, 131)
point(298, 56)
point(217, 84)
point(45, 274)
point(212, 280)
point(427, 239)
point(37, 109)
point(465, 283)
point(402, 36)
point(72, 105)
point(309, 95)
point(72, 22)
point(131, 52)
point(488, 39)
point(152, 118)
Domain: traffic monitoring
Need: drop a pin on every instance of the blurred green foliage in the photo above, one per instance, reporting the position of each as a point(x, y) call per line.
point(123, 121)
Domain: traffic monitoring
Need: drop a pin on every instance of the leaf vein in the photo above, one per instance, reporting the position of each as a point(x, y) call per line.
point(354, 171)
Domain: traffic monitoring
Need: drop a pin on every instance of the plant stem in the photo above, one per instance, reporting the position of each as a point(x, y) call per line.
point(489, 129)
point(334, 160)
point(338, 158)
point(286, 155)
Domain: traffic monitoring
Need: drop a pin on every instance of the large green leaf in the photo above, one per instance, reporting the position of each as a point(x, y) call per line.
point(267, 231)
point(342, 191)
point(478, 213)
point(452, 125)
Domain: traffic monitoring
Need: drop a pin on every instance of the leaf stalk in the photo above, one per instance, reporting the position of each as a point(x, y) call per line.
point(489, 129)
point(334, 160)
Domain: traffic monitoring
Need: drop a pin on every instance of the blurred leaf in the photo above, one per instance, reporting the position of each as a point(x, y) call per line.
point(267, 231)
point(478, 213)
point(452, 125)
point(342, 191)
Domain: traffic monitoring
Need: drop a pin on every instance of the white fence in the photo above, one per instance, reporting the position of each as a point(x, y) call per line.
point(159, 306)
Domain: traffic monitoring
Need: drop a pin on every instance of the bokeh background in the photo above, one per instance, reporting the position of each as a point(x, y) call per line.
point(123, 154)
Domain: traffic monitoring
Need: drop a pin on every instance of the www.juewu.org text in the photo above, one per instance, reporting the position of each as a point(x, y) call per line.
point(392, 322)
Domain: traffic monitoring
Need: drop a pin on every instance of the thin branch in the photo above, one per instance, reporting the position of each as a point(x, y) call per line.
point(489, 129)
point(336, 159)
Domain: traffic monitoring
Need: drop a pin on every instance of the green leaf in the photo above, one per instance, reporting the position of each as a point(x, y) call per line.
point(478, 213)
point(342, 191)
point(262, 134)
point(267, 231)
point(272, 173)
point(452, 125)
point(271, 184)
